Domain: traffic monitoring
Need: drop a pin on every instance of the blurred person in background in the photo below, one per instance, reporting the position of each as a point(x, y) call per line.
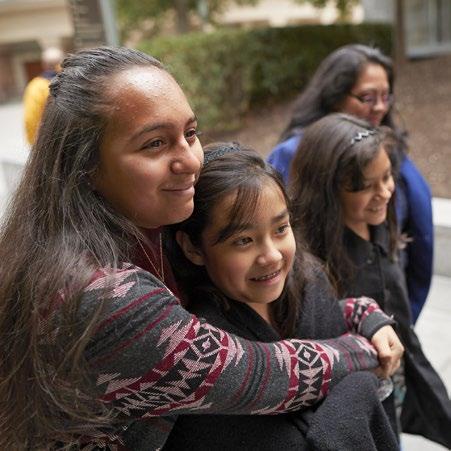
point(37, 91)
point(359, 80)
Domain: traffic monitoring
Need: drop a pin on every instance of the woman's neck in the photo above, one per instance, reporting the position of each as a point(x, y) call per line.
point(361, 229)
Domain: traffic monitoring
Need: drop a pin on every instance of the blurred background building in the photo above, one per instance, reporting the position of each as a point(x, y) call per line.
point(427, 23)
point(29, 26)
point(26, 28)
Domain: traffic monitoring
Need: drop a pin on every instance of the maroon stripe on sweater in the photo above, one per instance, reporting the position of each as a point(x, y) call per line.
point(293, 384)
point(128, 307)
point(266, 376)
point(250, 367)
point(125, 344)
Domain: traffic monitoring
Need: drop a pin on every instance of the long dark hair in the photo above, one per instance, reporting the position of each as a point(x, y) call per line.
point(333, 81)
point(240, 170)
point(57, 231)
point(325, 162)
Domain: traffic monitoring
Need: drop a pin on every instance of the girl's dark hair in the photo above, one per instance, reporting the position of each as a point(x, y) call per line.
point(333, 81)
point(239, 170)
point(325, 162)
point(57, 231)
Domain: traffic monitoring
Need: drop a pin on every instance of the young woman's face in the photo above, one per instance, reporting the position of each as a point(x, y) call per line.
point(369, 98)
point(369, 206)
point(150, 155)
point(252, 265)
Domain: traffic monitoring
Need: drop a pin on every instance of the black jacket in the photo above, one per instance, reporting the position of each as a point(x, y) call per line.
point(426, 409)
point(351, 418)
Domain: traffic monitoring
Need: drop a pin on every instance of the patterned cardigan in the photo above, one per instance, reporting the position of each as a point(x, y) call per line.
point(151, 359)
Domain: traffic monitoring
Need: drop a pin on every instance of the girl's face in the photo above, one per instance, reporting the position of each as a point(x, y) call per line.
point(369, 206)
point(252, 265)
point(150, 155)
point(369, 98)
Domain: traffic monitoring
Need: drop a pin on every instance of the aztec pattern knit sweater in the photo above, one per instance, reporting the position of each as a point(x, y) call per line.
point(151, 358)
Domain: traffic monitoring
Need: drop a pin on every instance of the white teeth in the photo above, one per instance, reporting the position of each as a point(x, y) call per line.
point(268, 276)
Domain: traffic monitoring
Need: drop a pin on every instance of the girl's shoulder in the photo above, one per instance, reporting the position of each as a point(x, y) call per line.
point(320, 316)
point(318, 287)
point(315, 271)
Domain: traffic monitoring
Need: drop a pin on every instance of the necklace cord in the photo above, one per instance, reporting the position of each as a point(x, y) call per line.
point(159, 273)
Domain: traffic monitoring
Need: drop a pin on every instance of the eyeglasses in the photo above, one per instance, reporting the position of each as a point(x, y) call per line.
point(371, 99)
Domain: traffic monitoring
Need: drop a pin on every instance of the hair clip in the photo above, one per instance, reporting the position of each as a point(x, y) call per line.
point(214, 154)
point(362, 135)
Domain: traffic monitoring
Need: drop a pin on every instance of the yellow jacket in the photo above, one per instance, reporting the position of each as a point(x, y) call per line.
point(34, 100)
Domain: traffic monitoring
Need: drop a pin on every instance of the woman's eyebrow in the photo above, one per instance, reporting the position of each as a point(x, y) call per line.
point(192, 119)
point(280, 216)
point(149, 128)
point(159, 125)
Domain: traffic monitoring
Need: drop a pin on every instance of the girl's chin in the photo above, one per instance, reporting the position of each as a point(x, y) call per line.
point(375, 121)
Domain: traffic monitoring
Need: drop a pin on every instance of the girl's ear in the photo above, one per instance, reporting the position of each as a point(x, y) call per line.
point(192, 253)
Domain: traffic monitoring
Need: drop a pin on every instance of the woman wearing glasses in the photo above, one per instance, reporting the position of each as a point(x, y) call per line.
point(358, 80)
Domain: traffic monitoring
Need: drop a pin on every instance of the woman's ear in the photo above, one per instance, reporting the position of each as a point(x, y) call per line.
point(192, 253)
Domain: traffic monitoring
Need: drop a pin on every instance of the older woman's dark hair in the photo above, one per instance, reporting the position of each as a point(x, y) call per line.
point(326, 162)
point(56, 231)
point(333, 81)
point(232, 169)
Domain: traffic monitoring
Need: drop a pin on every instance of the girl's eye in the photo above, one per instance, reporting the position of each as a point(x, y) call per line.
point(282, 229)
point(242, 241)
point(368, 98)
point(388, 177)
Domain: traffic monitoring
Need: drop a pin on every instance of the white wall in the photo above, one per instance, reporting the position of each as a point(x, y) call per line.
point(45, 21)
point(378, 10)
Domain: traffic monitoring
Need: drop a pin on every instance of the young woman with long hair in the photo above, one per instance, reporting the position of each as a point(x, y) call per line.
point(96, 350)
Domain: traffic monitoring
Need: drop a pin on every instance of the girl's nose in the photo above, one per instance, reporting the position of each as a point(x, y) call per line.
point(385, 191)
point(270, 254)
point(380, 104)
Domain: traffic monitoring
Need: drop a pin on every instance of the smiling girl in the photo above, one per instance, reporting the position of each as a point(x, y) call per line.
point(342, 188)
point(237, 262)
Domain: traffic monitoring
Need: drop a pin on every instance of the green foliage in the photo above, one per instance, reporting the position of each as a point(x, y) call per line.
point(213, 71)
point(133, 13)
point(226, 72)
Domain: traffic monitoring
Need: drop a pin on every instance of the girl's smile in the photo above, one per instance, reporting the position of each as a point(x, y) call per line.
point(252, 264)
point(368, 206)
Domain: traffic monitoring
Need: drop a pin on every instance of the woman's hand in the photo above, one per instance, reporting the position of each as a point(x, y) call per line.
point(389, 351)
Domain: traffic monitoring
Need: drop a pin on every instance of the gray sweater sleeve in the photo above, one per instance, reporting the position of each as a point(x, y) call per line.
point(364, 316)
point(150, 357)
